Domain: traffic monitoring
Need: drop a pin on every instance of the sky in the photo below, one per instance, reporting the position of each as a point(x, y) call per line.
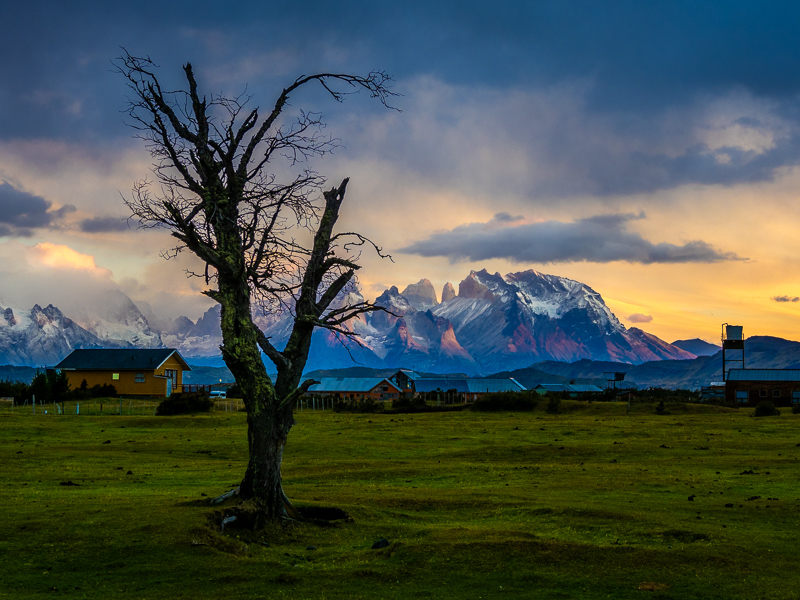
point(648, 149)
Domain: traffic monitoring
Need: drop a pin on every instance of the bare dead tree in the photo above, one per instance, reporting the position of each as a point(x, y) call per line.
point(219, 195)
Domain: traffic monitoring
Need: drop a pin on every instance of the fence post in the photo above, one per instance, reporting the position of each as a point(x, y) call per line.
point(34, 403)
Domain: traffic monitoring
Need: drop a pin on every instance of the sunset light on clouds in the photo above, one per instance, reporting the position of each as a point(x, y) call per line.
point(64, 257)
point(649, 150)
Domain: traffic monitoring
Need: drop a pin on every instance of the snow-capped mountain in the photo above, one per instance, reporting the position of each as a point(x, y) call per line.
point(38, 336)
point(44, 336)
point(529, 316)
point(115, 319)
point(492, 323)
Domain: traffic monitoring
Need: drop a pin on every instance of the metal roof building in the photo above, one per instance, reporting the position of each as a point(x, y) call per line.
point(573, 389)
point(748, 387)
point(356, 388)
point(764, 375)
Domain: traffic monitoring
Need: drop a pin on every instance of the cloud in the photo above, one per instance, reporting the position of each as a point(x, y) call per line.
point(104, 224)
point(62, 257)
point(48, 273)
point(786, 299)
point(601, 239)
point(21, 212)
point(640, 318)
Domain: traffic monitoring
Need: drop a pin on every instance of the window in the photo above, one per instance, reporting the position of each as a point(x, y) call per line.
point(385, 388)
point(741, 396)
point(795, 396)
point(776, 393)
point(173, 375)
point(139, 378)
point(762, 393)
point(115, 376)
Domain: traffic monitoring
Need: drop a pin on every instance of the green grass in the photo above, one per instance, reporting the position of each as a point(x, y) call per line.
point(592, 503)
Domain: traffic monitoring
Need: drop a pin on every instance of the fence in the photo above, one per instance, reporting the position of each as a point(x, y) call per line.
point(90, 406)
point(132, 406)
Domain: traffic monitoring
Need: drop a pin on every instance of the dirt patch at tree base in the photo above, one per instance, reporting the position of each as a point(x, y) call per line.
point(248, 516)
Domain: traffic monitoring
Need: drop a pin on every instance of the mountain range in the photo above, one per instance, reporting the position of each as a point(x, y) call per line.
point(491, 323)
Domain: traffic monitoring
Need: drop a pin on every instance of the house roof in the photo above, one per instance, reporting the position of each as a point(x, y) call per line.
point(495, 385)
point(129, 359)
point(465, 384)
point(350, 384)
point(580, 388)
point(764, 375)
point(444, 384)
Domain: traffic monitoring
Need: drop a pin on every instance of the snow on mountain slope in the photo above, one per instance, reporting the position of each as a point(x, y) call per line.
point(115, 319)
point(529, 316)
point(494, 323)
point(40, 336)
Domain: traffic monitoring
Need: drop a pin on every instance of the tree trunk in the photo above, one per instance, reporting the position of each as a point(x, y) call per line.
point(266, 436)
point(268, 423)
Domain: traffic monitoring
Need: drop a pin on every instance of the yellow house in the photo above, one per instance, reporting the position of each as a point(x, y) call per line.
point(133, 372)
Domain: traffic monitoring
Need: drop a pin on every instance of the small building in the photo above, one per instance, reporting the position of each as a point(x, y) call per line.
point(355, 388)
point(133, 372)
point(748, 387)
point(463, 388)
point(573, 390)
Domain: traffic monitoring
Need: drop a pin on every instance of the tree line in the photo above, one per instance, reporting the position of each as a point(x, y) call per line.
point(51, 386)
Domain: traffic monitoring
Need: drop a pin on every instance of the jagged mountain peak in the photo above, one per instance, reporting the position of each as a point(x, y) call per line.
point(495, 322)
point(421, 295)
point(472, 287)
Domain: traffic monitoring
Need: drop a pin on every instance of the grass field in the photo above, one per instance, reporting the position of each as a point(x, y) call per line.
point(591, 503)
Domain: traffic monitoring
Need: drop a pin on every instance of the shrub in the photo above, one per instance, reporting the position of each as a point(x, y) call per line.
point(506, 401)
point(182, 403)
point(660, 409)
point(796, 409)
point(409, 404)
point(766, 409)
point(107, 390)
point(358, 406)
point(554, 406)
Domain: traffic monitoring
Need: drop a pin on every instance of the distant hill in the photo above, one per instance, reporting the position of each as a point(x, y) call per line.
point(761, 352)
point(12, 373)
point(697, 347)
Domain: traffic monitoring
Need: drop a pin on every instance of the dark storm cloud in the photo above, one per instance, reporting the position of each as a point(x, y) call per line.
point(600, 239)
point(21, 212)
point(786, 299)
point(643, 60)
point(104, 224)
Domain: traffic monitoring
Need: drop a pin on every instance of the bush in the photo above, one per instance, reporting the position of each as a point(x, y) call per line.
point(506, 401)
point(796, 409)
point(182, 403)
point(766, 409)
point(660, 409)
point(358, 406)
point(84, 392)
point(107, 390)
point(554, 406)
point(409, 404)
